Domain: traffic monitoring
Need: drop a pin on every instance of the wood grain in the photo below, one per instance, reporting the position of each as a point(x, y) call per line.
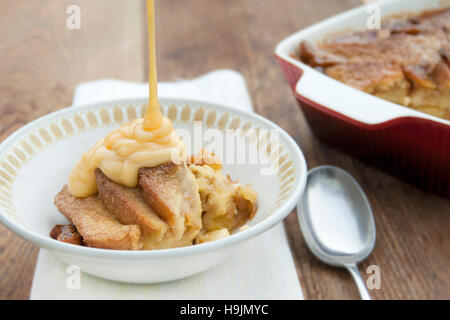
point(41, 63)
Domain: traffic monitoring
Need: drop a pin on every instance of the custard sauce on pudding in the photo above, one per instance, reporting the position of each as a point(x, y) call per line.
point(140, 143)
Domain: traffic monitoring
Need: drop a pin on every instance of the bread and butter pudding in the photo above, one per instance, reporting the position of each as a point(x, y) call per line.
point(407, 61)
point(173, 205)
point(136, 189)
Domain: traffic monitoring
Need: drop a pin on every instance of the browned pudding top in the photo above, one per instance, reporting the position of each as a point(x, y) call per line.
point(405, 53)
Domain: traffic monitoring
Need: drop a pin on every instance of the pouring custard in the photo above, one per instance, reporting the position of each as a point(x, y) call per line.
point(135, 190)
point(146, 142)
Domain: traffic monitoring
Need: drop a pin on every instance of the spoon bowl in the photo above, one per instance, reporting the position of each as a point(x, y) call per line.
point(336, 220)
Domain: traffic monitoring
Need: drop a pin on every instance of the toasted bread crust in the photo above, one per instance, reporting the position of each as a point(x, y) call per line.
point(98, 227)
point(170, 207)
point(128, 206)
point(160, 190)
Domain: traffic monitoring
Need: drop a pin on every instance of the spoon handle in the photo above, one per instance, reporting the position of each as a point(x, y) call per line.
point(353, 269)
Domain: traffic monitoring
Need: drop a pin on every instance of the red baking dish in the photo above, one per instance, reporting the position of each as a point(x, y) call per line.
point(408, 144)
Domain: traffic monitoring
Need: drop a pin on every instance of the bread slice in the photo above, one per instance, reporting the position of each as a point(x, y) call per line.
point(172, 191)
point(97, 226)
point(128, 206)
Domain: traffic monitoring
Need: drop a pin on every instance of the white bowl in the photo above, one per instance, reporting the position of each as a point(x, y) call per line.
point(340, 97)
point(35, 162)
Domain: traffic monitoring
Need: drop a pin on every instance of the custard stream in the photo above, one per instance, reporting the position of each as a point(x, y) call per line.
point(146, 142)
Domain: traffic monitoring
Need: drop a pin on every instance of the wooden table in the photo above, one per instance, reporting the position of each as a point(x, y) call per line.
point(41, 62)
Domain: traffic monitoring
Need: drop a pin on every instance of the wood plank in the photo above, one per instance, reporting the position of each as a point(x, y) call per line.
point(41, 63)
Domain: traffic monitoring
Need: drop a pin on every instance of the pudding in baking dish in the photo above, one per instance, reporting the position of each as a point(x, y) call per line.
point(407, 61)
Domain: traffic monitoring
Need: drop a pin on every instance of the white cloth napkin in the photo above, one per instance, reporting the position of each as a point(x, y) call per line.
point(264, 270)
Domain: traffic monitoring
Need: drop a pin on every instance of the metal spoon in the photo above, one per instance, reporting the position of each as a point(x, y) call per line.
point(336, 220)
